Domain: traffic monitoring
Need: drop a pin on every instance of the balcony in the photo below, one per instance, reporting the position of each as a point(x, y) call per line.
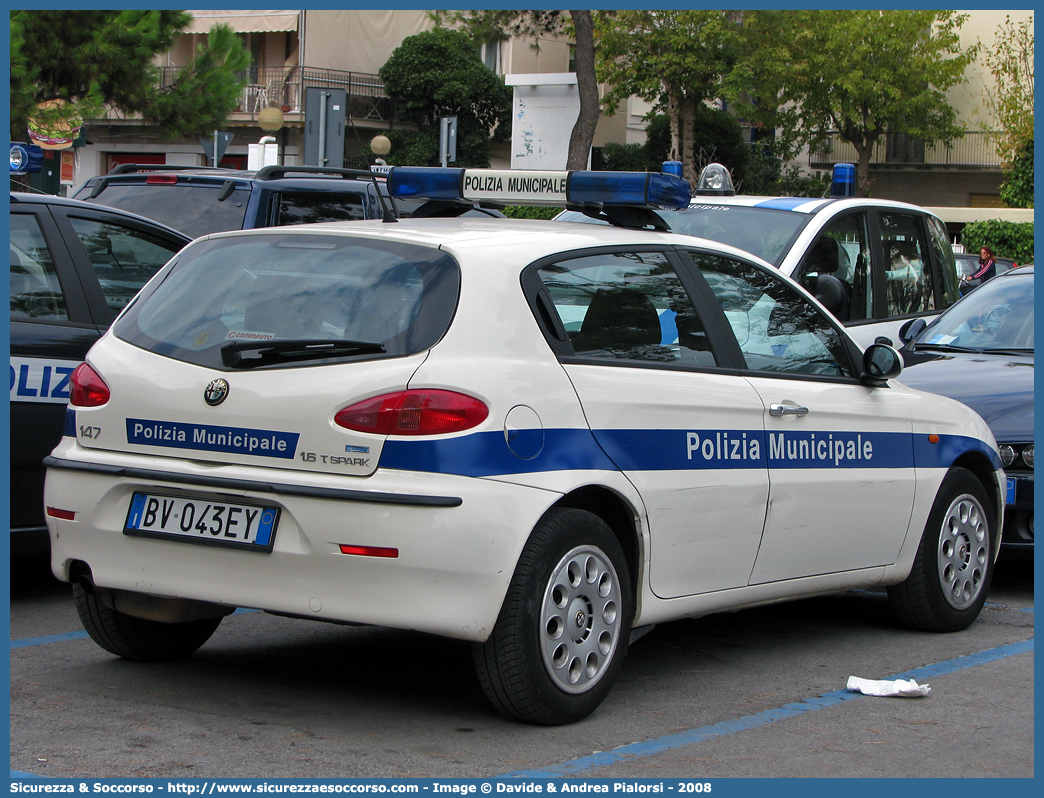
point(975, 150)
point(284, 88)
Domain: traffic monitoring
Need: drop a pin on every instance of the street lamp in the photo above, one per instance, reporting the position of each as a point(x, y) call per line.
point(270, 119)
point(380, 145)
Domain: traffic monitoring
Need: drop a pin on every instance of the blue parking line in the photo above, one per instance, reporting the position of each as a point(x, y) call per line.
point(39, 641)
point(584, 765)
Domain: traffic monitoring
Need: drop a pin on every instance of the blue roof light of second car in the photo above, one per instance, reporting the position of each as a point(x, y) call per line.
point(539, 188)
point(842, 183)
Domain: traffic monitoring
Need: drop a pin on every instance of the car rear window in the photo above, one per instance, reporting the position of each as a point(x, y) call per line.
point(243, 302)
point(193, 209)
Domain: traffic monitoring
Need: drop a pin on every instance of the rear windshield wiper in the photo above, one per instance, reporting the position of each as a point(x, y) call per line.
point(269, 352)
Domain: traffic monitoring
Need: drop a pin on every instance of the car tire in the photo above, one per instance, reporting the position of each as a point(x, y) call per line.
point(953, 567)
point(136, 638)
point(560, 640)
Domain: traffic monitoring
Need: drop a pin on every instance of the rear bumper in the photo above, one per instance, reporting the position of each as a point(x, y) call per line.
point(455, 558)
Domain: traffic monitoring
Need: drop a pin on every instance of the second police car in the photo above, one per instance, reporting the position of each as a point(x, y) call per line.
point(892, 260)
point(534, 436)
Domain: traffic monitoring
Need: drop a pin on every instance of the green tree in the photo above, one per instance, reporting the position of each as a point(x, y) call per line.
point(861, 73)
point(437, 73)
point(675, 59)
point(95, 59)
point(1017, 188)
point(1010, 61)
point(491, 26)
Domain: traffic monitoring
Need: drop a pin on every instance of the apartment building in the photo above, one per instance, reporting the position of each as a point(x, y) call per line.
point(293, 51)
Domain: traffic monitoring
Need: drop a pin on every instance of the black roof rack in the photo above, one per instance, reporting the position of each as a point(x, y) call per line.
point(276, 172)
point(125, 168)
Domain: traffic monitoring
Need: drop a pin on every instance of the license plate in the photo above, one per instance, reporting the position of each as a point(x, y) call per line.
point(1011, 491)
point(206, 521)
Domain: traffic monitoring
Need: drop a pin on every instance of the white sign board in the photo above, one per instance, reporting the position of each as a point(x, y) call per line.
point(515, 186)
point(544, 110)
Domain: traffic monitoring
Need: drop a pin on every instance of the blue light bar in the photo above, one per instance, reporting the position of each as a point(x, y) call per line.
point(424, 182)
point(672, 168)
point(25, 158)
point(843, 183)
point(539, 188)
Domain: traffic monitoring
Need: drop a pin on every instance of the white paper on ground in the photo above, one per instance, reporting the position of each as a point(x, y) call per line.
point(896, 688)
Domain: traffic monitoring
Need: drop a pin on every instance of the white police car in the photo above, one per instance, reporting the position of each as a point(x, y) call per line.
point(888, 261)
point(534, 436)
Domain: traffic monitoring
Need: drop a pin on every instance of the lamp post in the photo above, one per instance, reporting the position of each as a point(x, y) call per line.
point(380, 145)
point(266, 151)
point(270, 119)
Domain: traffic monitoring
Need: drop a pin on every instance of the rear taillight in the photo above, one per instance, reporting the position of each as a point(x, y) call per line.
point(417, 412)
point(88, 389)
point(162, 180)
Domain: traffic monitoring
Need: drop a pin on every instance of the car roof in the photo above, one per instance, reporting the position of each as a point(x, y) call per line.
point(24, 198)
point(1018, 271)
point(808, 205)
point(134, 172)
point(532, 238)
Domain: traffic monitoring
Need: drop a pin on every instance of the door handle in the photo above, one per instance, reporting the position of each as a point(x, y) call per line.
point(787, 410)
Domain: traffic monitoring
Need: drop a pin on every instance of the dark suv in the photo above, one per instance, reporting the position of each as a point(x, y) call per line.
point(199, 200)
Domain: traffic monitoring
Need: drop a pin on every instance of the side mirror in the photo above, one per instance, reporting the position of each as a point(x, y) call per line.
point(881, 363)
point(911, 330)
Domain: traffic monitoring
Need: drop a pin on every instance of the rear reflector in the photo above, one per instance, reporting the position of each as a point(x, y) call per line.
point(369, 551)
point(414, 412)
point(66, 515)
point(163, 180)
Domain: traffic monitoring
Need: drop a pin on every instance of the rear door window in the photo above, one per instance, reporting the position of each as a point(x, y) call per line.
point(909, 285)
point(309, 207)
point(123, 258)
point(35, 290)
point(276, 300)
point(627, 306)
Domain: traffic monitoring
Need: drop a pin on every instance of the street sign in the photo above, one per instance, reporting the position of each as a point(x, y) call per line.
point(218, 142)
point(447, 139)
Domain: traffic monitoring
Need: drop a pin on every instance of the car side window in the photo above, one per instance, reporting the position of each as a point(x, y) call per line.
point(627, 306)
point(308, 208)
point(777, 329)
point(945, 260)
point(124, 259)
point(908, 275)
point(843, 251)
point(35, 290)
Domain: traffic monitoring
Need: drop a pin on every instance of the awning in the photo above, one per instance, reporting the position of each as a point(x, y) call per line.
point(243, 21)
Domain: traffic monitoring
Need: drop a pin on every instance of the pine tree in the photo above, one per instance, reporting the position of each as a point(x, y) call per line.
point(94, 60)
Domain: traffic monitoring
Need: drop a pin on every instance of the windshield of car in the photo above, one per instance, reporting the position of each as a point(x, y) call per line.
point(193, 209)
point(333, 297)
point(765, 232)
point(998, 316)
